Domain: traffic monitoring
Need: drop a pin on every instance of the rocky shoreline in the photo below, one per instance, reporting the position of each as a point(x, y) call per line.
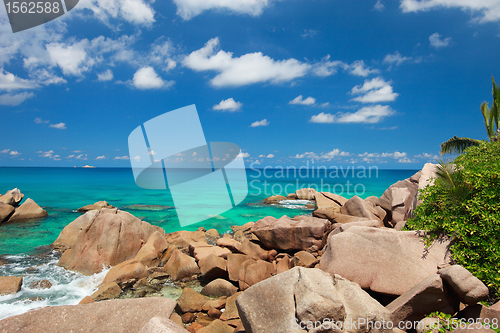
point(348, 263)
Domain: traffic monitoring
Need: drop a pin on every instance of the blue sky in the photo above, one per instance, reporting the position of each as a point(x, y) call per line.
point(290, 81)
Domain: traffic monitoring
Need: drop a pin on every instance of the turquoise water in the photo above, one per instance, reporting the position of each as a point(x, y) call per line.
point(24, 246)
point(63, 190)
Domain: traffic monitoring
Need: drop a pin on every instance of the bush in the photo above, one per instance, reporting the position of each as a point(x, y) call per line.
point(466, 206)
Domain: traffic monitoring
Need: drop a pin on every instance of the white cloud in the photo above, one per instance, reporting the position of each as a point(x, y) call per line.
point(368, 114)
point(105, 76)
point(335, 153)
point(102, 157)
point(5, 151)
point(487, 10)
point(250, 68)
point(396, 59)
point(187, 9)
point(436, 41)
point(244, 155)
point(161, 54)
point(48, 154)
point(323, 118)
point(427, 156)
point(374, 91)
point(146, 78)
point(133, 11)
point(270, 156)
point(81, 157)
point(14, 153)
point(358, 68)
point(122, 158)
point(228, 105)
point(72, 59)
point(16, 99)
point(262, 122)
point(379, 6)
point(9, 81)
point(299, 100)
point(39, 120)
point(61, 126)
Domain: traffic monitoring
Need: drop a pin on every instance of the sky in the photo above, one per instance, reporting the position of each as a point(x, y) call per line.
point(292, 82)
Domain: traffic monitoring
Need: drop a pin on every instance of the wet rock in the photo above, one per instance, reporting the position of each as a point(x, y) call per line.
point(108, 291)
point(41, 284)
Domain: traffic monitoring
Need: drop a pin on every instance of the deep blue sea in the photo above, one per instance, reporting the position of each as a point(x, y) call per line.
point(63, 190)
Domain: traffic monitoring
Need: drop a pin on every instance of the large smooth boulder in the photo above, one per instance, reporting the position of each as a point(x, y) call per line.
point(10, 284)
point(12, 197)
point(95, 206)
point(383, 260)
point(213, 267)
point(360, 208)
point(107, 291)
point(424, 298)
point(306, 193)
point(151, 253)
point(253, 271)
point(162, 325)
point(27, 211)
point(469, 288)
point(323, 202)
point(219, 287)
point(183, 238)
point(112, 237)
point(191, 301)
point(427, 177)
point(68, 236)
point(298, 233)
point(336, 217)
point(5, 211)
point(305, 295)
point(117, 315)
point(126, 271)
point(399, 200)
point(234, 262)
point(255, 251)
point(181, 266)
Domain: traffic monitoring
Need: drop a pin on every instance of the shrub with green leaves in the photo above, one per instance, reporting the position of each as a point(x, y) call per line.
point(464, 203)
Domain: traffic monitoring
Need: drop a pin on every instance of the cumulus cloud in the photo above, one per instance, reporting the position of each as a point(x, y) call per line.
point(102, 157)
point(47, 154)
point(396, 59)
point(486, 10)
point(298, 100)
point(15, 99)
point(187, 9)
point(358, 68)
point(374, 91)
point(368, 114)
point(105, 76)
point(122, 158)
point(262, 122)
point(244, 155)
point(71, 58)
point(137, 12)
point(436, 41)
point(228, 105)
point(9, 81)
point(248, 69)
point(270, 156)
point(60, 126)
point(146, 78)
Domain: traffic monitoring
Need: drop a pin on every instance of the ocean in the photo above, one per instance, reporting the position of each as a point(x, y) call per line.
point(24, 246)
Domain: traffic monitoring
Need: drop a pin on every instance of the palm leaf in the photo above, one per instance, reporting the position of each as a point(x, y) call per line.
point(458, 145)
point(487, 115)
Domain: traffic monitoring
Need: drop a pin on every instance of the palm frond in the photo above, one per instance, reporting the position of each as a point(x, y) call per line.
point(458, 145)
point(487, 115)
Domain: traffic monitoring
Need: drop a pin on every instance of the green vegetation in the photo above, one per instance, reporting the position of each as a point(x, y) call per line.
point(491, 117)
point(464, 203)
